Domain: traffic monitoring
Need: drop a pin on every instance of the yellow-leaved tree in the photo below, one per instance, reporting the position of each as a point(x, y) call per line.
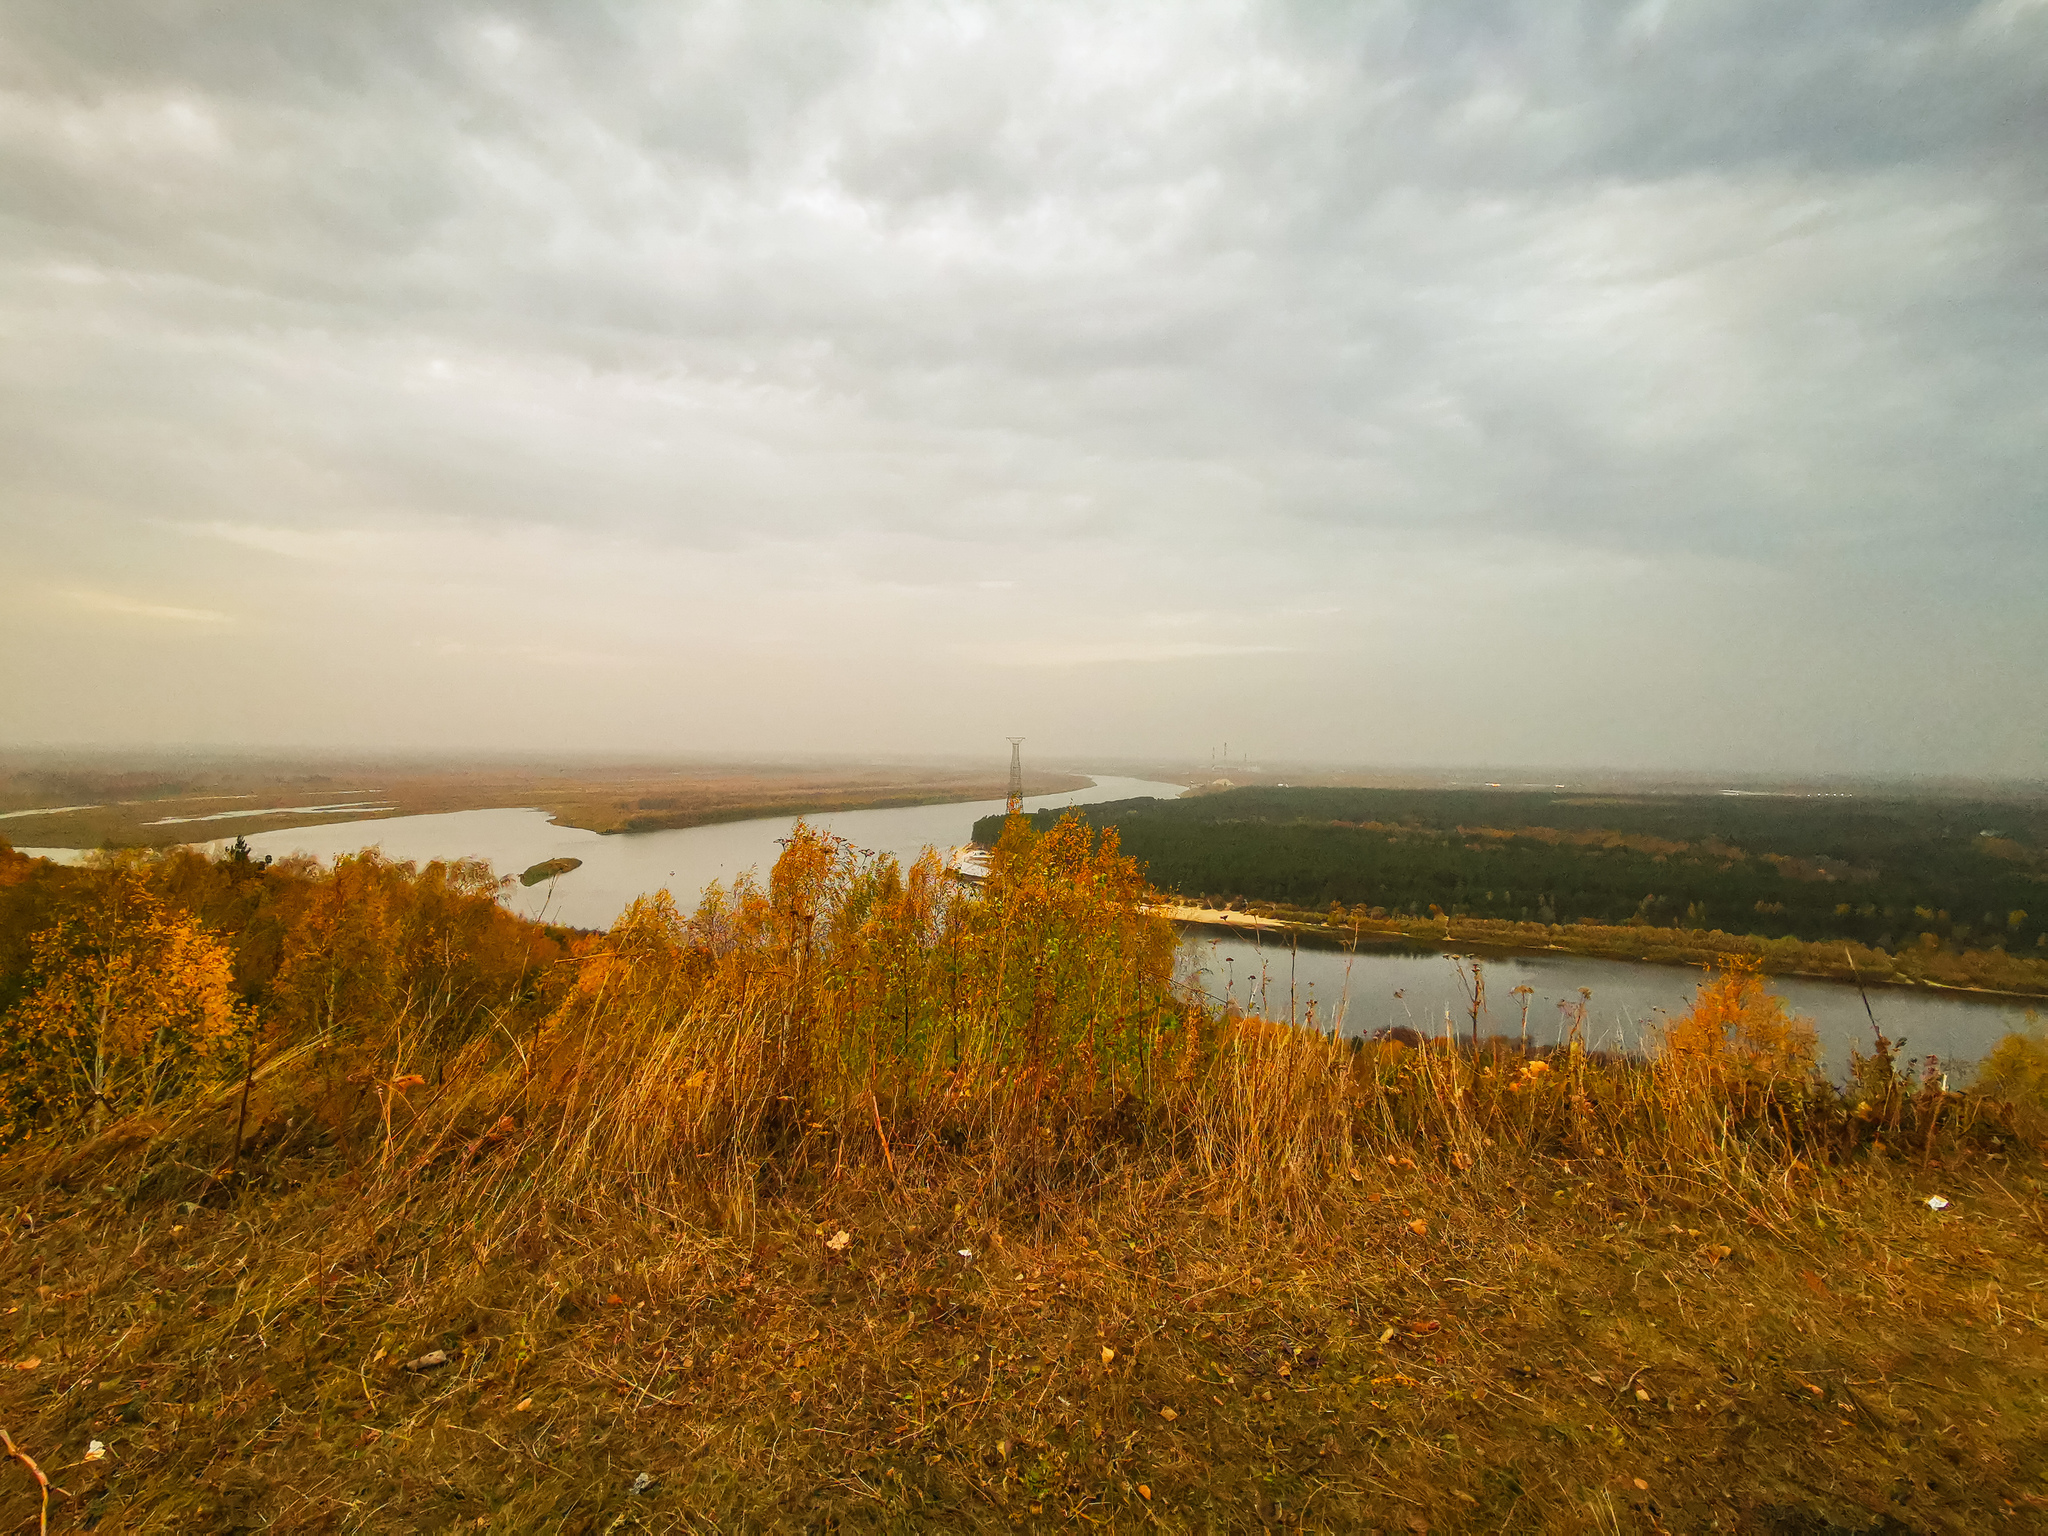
point(1737, 1027)
point(2017, 1070)
point(128, 1002)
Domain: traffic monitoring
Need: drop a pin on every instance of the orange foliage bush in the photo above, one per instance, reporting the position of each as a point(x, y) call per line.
point(850, 996)
point(1738, 1028)
point(128, 1001)
point(142, 975)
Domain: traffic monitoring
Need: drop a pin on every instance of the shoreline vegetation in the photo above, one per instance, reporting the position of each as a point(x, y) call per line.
point(1935, 893)
point(1992, 973)
point(84, 805)
point(859, 1199)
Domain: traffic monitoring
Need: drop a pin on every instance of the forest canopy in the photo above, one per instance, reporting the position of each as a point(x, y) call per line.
point(1970, 873)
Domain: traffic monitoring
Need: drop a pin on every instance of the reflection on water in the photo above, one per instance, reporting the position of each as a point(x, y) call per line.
point(1421, 988)
point(683, 861)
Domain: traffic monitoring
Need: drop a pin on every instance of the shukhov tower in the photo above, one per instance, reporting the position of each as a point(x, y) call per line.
point(1016, 805)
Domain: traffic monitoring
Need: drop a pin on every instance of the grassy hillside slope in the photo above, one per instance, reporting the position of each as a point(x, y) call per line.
point(862, 1202)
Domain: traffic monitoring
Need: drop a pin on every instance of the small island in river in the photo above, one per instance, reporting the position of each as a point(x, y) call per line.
point(547, 869)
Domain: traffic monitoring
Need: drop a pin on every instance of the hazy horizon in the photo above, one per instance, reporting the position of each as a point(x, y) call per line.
point(1194, 769)
point(1633, 388)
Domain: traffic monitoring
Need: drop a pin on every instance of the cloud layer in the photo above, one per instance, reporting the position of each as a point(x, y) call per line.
point(1651, 385)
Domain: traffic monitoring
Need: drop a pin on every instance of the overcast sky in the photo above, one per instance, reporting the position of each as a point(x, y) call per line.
point(1649, 385)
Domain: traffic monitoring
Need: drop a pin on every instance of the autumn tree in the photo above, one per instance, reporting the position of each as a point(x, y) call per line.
point(128, 1001)
point(1739, 1030)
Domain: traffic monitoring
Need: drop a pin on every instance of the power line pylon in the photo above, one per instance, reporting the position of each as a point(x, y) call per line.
point(1016, 802)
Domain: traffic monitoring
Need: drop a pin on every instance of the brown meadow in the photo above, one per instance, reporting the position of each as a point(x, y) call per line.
point(863, 1200)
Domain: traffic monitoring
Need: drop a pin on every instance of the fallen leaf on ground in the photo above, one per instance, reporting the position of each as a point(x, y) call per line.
point(428, 1361)
point(1108, 1354)
point(840, 1241)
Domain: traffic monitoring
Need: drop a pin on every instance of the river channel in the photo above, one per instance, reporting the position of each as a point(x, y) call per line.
point(620, 866)
point(1379, 986)
point(1428, 989)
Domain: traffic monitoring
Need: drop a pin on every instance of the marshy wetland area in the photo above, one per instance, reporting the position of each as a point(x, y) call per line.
point(344, 1195)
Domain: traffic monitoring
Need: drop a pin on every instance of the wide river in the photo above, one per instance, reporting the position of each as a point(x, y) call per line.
point(1381, 985)
point(1421, 987)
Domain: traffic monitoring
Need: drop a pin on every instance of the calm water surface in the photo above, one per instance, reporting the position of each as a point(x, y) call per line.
point(1420, 986)
point(1379, 986)
point(619, 867)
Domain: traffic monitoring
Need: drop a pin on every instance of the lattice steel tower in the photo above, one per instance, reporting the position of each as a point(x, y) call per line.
point(1016, 805)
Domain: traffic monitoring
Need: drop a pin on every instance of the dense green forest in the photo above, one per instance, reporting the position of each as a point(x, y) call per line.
point(1882, 872)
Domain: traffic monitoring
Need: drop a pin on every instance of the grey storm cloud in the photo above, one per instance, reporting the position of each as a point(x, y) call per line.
point(1673, 376)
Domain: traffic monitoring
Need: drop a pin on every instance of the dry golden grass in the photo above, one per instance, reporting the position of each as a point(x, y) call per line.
point(1546, 1342)
point(858, 1203)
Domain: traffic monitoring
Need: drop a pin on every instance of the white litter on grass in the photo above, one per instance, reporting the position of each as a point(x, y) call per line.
point(966, 1253)
point(1936, 1203)
point(95, 1451)
point(642, 1483)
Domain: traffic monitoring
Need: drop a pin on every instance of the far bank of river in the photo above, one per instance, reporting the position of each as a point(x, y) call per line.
point(617, 867)
point(1415, 985)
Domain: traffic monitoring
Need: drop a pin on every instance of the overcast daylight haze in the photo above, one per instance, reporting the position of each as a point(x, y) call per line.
point(1652, 386)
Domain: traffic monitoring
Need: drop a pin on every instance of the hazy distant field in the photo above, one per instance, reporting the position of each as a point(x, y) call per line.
point(93, 804)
